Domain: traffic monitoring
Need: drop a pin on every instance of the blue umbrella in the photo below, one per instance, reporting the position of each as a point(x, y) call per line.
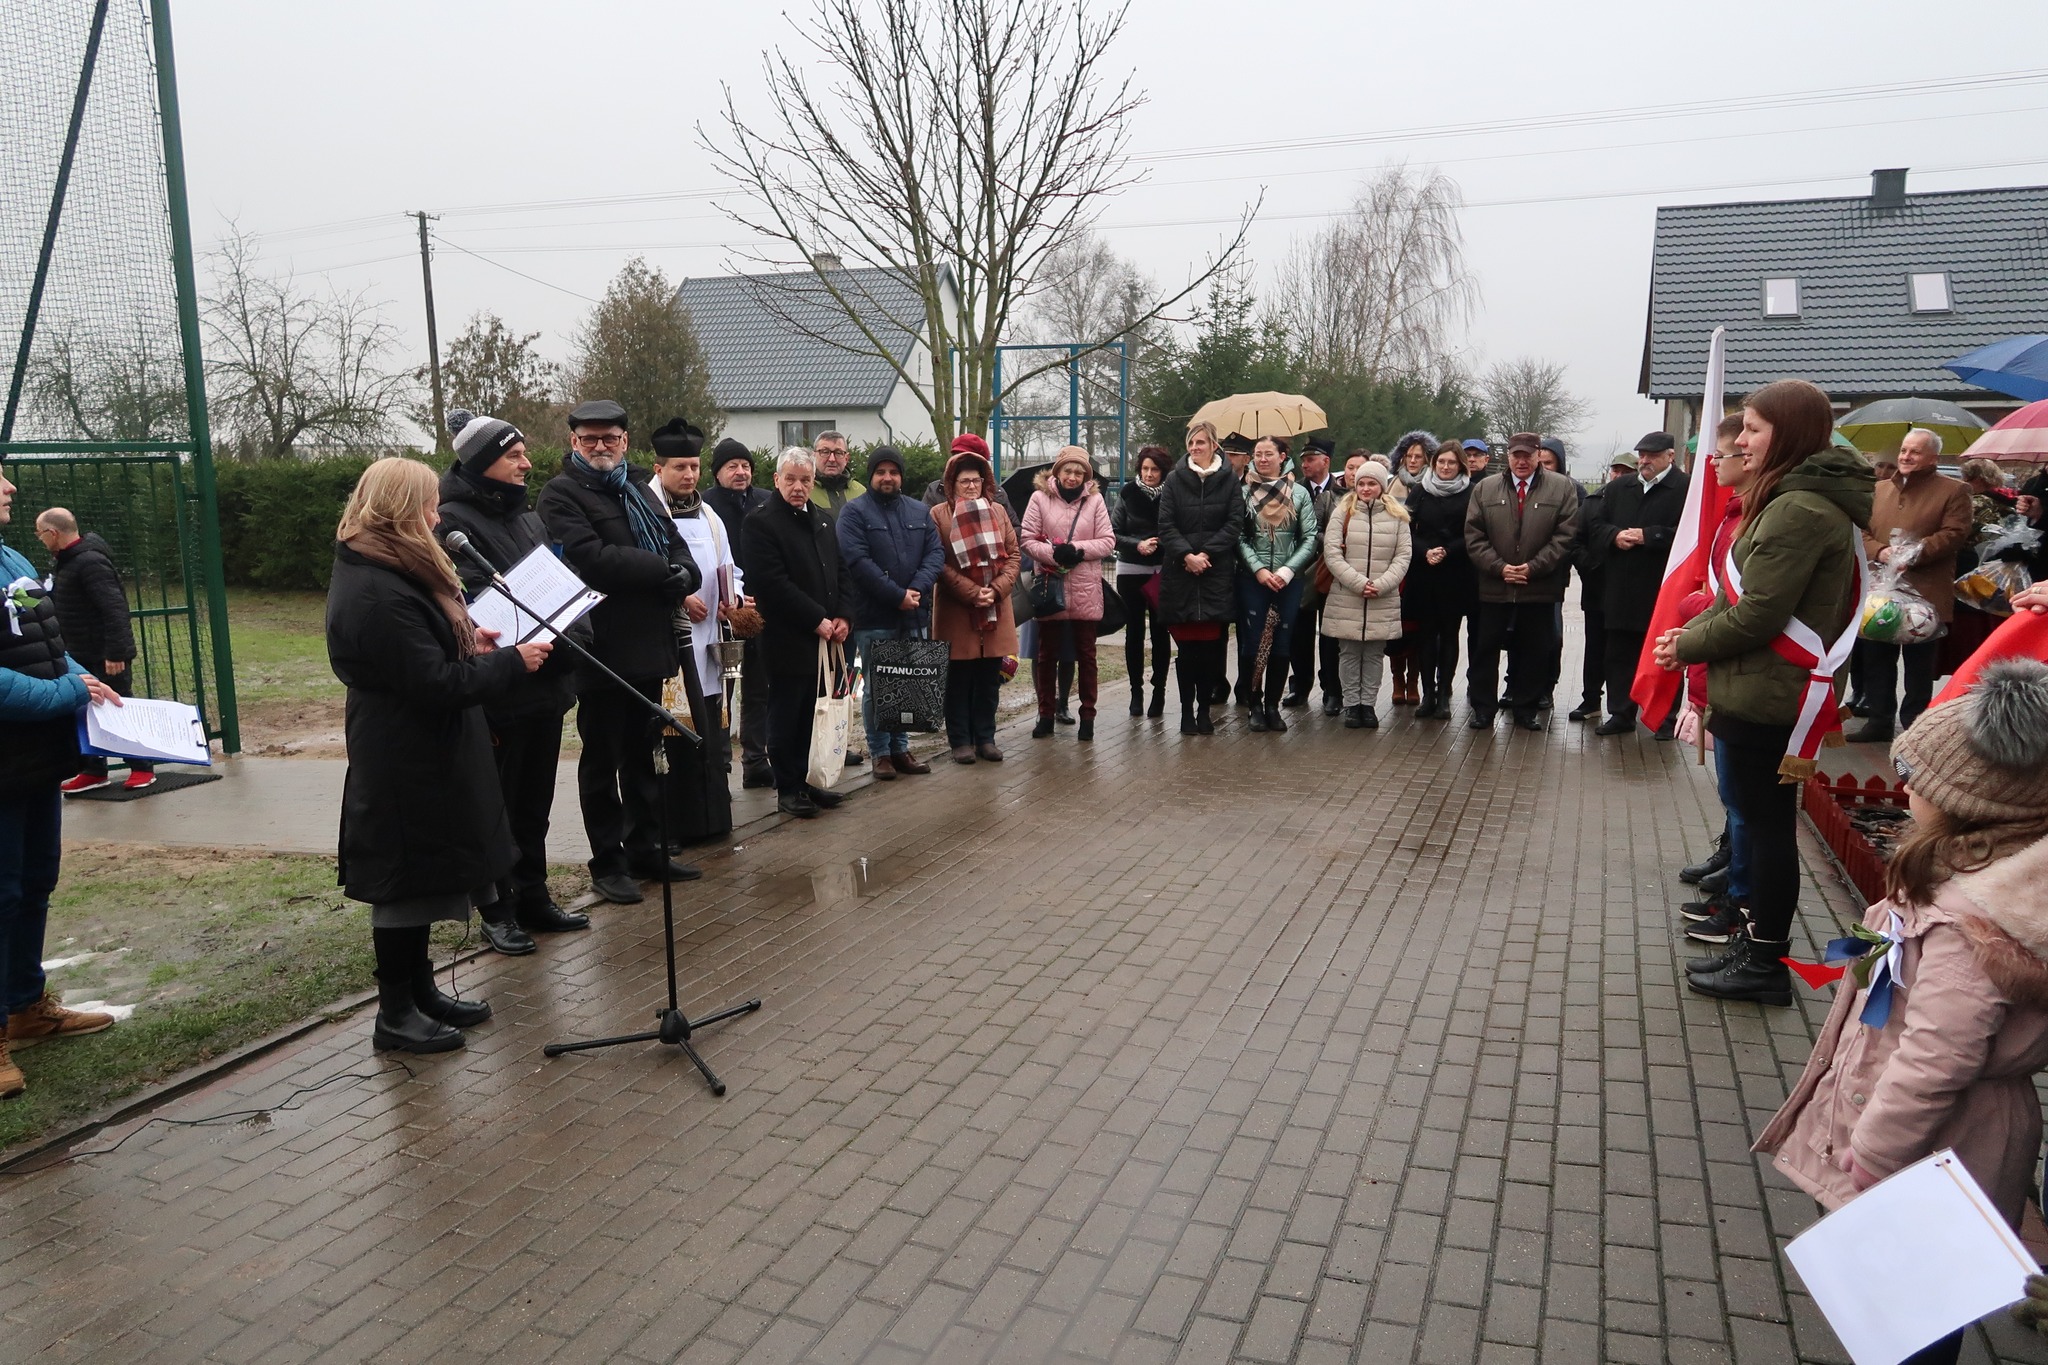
point(2018, 366)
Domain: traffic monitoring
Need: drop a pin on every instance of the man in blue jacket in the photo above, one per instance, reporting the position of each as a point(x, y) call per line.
point(42, 690)
point(890, 548)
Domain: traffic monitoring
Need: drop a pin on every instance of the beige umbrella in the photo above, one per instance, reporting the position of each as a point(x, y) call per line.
point(1262, 414)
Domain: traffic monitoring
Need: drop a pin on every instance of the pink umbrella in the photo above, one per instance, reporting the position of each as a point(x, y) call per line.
point(2022, 435)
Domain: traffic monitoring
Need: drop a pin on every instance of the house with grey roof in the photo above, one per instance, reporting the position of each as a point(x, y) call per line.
point(1865, 296)
point(787, 362)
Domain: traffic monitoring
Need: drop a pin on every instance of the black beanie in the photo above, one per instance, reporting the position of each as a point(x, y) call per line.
point(884, 454)
point(726, 451)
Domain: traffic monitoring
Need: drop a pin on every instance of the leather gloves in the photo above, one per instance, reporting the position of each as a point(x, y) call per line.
point(1066, 556)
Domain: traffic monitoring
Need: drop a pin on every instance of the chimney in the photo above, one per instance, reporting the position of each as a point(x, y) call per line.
point(1888, 188)
point(825, 260)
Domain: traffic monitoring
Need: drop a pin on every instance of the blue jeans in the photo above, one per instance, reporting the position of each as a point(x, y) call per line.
point(1253, 602)
point(31, 843)
point(1738, 837)
point(880, 742)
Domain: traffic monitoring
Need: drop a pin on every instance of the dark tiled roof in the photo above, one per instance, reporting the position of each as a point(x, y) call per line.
point(1856, 334)
point(769, 339)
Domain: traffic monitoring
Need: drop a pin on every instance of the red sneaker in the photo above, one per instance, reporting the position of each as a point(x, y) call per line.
point(137, 781)
point(85, 782)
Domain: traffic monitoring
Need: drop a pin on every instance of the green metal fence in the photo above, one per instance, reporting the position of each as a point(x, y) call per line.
point(145, 508)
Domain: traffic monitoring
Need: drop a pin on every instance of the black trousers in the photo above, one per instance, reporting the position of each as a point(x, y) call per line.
point(973, 687)
point(615, 781)
point(1141, 622)
point(1436, 652)
point(753, 707)
point(1312, 655)
point(1527, 631)
point(1770, 824)
point(123, 684)
point(527, 751)
point(1624, 650)
point(792, 698)
point(1593, 667)
point(1881, 665)
point(1200, 671)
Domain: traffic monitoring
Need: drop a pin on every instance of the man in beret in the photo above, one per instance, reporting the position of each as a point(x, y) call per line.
point(1638, 519)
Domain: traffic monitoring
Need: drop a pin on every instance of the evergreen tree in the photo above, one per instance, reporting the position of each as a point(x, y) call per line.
point(637, 348)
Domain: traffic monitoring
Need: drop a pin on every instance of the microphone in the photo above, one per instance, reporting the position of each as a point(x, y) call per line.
point(460, 543)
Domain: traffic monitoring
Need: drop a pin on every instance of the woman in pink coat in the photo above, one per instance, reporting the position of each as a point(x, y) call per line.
point(1936, 1041)
point(1067, 532)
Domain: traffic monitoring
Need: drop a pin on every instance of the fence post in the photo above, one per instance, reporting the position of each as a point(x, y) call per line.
point(195, 377)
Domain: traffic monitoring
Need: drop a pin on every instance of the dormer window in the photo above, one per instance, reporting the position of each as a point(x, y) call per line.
point(1929, 293)
point(1781, 297)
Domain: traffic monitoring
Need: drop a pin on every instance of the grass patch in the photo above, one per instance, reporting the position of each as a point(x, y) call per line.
point(214, 948)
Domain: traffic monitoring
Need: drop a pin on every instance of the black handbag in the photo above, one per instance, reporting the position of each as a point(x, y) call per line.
point(1046, 591)
point(906, 679)
point(1113, 616)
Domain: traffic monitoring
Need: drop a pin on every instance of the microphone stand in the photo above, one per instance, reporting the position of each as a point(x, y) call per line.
point(672, 1027)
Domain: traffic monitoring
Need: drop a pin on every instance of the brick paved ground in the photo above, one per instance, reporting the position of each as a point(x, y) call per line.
point(1328, 1046)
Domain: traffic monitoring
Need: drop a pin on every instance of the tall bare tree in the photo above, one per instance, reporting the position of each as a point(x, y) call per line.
point(493, 370)
point(1527, 394)
point(1383, 293)
point(955, 142)
point(638, 348)
point(1086, 293)
point(285, 366)
point(101, 390)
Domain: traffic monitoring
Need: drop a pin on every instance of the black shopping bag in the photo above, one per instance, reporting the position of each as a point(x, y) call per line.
point(907, 683)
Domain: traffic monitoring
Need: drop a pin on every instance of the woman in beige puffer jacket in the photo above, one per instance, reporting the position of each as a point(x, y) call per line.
point(1366, 549)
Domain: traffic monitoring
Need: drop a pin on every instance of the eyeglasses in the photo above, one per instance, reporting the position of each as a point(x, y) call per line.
point(615, 441)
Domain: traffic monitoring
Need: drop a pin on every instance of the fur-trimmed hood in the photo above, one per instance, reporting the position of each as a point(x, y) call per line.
point(2005, 917)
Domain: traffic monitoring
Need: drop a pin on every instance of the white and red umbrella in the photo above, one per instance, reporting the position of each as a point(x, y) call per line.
point(2021, 435)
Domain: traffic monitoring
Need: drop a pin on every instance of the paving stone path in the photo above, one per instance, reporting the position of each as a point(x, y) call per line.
point(1327, 1046)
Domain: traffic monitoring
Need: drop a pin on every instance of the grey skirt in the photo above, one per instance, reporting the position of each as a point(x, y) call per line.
point(416, 911)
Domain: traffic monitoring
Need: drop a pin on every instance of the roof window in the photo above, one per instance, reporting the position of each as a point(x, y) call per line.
point(1929, 292)
point(1781, 297)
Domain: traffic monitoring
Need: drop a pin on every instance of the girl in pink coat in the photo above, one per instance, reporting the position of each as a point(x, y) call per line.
point(1067, 532)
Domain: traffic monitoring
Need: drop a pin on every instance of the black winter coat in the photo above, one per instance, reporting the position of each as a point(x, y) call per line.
point(733, 509)
point(1136, 518)
point(1433, 591)
point(498, 523)
point(421, 812)
point(632, 629)
point(793, 572)
point(92, 606)
point(1634, 576)
point(1588, 556)
point(1199, 516)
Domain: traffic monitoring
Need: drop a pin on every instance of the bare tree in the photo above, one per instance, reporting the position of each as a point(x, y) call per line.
point(1086, 294)
point(1527, 394)
point(956, 143)
point(1383, 293)
point(493, 370)
point(285, 365)
point(131, 390)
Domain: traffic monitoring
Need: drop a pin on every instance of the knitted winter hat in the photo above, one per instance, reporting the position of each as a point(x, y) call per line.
point(480, 441)
point(969, 443)
point(1984, 756)
point(881, 455)
point(1373, 469)
point(1073, 455)
point(726, 451)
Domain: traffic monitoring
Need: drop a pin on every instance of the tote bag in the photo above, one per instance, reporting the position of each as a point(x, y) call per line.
point(831, 715)
point(907, 681)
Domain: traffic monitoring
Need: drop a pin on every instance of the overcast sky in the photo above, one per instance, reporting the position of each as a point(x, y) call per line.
point(318, 126)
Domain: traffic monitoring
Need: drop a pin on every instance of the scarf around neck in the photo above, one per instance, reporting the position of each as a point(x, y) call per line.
point(1443, 488)
point(1272, 500)
point(648, 532)
point(430, 569)
point(975, 547)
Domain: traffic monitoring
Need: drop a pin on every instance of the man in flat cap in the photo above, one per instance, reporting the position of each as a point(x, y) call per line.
point(1310, 653)
point(618, 538)
point(1638, 519)
point(1519, 528)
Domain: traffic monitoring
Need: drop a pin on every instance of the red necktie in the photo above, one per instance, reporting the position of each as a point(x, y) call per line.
point(1521, 495)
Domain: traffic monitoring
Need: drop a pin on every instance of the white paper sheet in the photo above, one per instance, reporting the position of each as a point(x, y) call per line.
point(544, 583)
point(160, 731)
point(1965, 1263)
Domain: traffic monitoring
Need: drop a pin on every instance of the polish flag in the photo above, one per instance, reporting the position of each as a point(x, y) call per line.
point(1685, 572)
point(2023, 636)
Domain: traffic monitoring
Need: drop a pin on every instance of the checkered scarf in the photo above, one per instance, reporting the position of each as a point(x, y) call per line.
point(976, 546)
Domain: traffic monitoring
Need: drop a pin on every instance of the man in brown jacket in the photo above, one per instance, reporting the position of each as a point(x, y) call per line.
point(1929, 505)
point(1519, 529)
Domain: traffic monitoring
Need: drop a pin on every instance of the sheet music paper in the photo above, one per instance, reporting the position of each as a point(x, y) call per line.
point(1965, 1263)
point(544, 583)
point(159, 731)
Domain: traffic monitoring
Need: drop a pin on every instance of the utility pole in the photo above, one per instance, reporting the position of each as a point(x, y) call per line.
point(441, 444)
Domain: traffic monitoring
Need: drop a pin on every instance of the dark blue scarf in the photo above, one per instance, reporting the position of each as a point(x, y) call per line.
point(648, 527)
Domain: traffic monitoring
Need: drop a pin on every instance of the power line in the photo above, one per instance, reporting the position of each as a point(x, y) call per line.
point(509, 270)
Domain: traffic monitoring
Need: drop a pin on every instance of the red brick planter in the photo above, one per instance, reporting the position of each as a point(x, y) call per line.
point(1828, 800)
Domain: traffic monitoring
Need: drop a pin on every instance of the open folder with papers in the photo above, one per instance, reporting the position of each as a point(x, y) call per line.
point(542, 582)
point(155, 731)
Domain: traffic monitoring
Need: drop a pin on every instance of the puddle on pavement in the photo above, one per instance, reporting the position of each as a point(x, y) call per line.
point(834, 884)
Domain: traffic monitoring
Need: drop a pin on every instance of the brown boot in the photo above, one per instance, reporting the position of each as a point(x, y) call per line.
point(911, 764)
point(48, 1019)
point(12, 1082)
point(884, 768)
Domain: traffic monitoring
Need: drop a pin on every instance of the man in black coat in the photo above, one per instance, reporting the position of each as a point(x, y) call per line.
point(484, 496)
point(1638, 519)
point(1591, 562)
point(92, 609)
point(793, 570)
point(734, 498)
point(618, 539)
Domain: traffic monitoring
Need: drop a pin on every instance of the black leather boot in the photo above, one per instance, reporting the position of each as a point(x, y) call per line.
point(1752, 972)
point(446, 1009)
point(1157, 708)
point(1708, 865)
point(1137, 699)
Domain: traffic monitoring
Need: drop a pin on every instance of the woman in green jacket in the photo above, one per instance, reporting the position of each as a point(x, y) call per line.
point(1278, 545)
point(1790, 580)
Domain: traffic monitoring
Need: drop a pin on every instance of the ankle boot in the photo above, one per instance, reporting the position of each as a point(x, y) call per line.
point(442, 1008)
point(1158, 706)
point(1137, 700)
point(1276, 690)
point(1204, 725)
point(400, 1025)
point(1753, 972)
point(1256, 721)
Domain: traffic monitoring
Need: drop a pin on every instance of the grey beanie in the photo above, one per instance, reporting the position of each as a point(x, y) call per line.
point(481, 441)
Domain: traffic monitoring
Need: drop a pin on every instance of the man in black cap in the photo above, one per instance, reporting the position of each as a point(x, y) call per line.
point(732, 496)
point(483, 495)
point(619, 540)
point(1307, 649)
point(1638, 519)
